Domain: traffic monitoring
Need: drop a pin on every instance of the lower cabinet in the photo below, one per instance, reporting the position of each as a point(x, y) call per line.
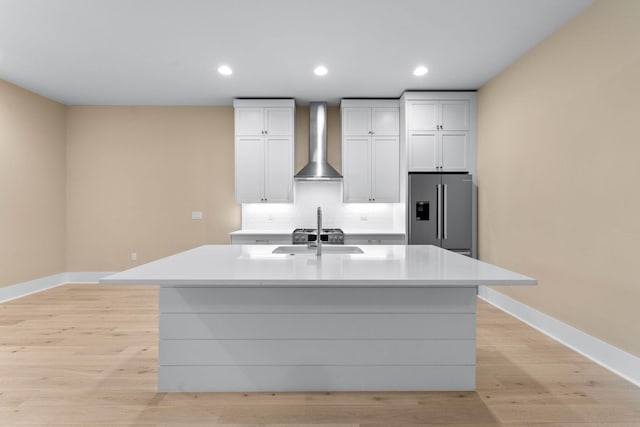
point(374, 239)
point(261, 239)
point(349, 239)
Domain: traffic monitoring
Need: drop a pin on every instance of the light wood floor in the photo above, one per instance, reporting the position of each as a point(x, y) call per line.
point(87, 354)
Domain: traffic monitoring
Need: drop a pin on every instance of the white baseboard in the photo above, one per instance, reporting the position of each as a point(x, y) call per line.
point(88, 277)
point(612, 358)
point(23, 289)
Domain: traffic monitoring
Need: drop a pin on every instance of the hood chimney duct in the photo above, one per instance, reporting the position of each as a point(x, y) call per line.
point(318, 169)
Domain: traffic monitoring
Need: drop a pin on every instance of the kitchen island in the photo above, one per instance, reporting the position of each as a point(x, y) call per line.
point(240, 318)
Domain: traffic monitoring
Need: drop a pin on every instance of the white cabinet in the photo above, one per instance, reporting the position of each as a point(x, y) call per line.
point(438, 135)
point(374, 239)
point(371, 151)
point(264, 141)
point(243, 238)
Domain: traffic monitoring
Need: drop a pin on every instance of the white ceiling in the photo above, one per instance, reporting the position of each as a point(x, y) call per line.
point(166, 52)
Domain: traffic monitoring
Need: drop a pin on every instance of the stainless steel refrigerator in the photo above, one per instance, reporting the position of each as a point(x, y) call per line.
point(440, 210)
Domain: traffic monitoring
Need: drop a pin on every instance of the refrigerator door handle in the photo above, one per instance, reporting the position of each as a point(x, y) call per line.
point(444, 204)
point(439, 209)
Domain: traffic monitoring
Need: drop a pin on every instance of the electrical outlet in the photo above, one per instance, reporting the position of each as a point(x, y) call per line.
point(363, 218)
point(134, 256)
point(196, 215)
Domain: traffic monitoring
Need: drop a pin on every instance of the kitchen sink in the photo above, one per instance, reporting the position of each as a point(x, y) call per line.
point(326, 250)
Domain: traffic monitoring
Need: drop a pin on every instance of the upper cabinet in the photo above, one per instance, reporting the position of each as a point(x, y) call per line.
point(438, 130)
point(255, 121)
point(264, 150)
point(438, 115)
point(371, 150)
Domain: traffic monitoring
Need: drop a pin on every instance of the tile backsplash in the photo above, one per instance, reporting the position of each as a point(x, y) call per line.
point(308, 195)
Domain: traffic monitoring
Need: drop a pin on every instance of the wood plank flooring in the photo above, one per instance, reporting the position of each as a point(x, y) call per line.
point(87, 355)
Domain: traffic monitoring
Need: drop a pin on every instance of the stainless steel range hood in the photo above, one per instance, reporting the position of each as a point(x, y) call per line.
point(318, 169)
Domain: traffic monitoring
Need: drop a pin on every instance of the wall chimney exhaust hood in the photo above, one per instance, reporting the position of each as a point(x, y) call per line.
point(318, 169)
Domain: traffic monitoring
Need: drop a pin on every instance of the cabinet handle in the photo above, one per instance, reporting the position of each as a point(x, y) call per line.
point(266, 132)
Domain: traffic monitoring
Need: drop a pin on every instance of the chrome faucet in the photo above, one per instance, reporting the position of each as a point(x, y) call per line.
point(318, 231)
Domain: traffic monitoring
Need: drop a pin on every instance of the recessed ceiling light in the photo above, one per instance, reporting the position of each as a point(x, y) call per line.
point(420, 71)
point(320, 71)
point(225, 70)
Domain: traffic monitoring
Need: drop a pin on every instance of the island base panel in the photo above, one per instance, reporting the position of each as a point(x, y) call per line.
point(315, 378)
point(316, 339)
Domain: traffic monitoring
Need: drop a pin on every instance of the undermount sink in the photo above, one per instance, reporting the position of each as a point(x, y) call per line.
point(326, 249)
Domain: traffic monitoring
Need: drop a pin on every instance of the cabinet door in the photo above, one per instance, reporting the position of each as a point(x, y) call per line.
point(356, 121)
point(249, 121)
point(386, 169)
point(423, 115)
point(278, 121)
point(278, 184)
point(423, 151)
point(385, 121)
point(356, 169)
point(453, 151)
point(249, 164)
point(454, 115)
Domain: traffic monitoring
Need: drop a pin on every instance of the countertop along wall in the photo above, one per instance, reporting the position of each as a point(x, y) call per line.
point(558, 153)
point(32, 186)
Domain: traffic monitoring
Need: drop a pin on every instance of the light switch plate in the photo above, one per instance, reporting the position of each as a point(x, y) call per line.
point(196, 215)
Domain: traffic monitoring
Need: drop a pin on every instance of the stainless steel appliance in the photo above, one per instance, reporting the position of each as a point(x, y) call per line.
point(440, 210)
point(318, 169)
point(333, 236)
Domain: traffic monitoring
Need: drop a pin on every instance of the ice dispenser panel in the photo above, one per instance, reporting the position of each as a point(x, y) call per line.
point(422, 211)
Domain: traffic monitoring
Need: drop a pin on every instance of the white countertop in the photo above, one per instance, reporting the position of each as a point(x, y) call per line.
point(262, 231)
point(379, 265)
point(352, 232)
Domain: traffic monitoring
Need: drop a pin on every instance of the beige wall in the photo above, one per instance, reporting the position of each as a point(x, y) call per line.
point(559, 173)
point(134, 176)
point(32, 186)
